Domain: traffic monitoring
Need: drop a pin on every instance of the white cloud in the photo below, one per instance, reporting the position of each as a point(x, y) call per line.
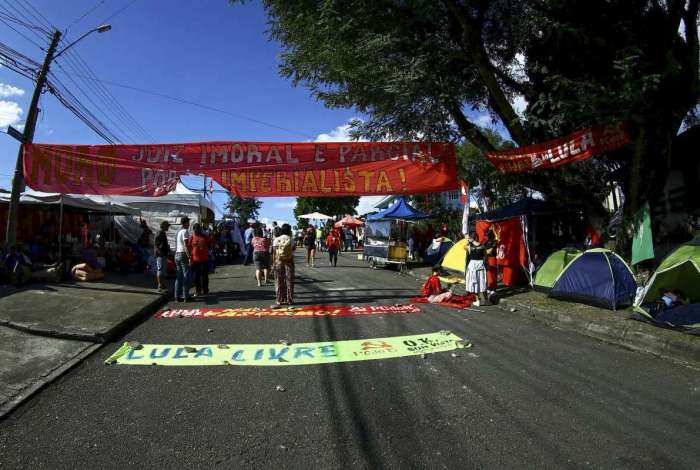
point(285, 205)
point(10, 113)
point(339, 134)
point(8, 90)
point(367, 203)
point(483, 120)
point(519, 105)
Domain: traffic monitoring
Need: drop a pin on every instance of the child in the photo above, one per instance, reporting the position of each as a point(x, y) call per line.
point(432, 289)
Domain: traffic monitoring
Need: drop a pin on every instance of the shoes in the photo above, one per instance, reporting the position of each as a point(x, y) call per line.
point(275, 306)
point(259, 285)
point(180, 300)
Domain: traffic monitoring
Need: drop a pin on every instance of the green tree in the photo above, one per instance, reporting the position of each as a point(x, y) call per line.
point(416, 68)
point(244, 208)
point(336, 207)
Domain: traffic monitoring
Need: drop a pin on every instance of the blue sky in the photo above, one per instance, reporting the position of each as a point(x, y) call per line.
point(210, 52)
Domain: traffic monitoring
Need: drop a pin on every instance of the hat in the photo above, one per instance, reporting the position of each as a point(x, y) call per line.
point(164, 225)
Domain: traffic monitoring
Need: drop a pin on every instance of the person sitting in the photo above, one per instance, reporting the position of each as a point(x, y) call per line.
point(90, 269)
point(16, 266)
point(432, 289)
point(127, 262)
point(668, 299)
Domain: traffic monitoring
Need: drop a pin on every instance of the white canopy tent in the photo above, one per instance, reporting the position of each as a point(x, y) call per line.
point(172, 207)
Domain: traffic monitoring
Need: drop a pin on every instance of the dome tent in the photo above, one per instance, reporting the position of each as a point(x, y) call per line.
point(680, 270)
point(552, 267)
point(597, 277)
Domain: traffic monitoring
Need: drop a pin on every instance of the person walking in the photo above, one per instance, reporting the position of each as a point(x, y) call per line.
point(248, 240)
point(183, 261)
point(310, 245)
point(199, 250)
point(162, 250)
point(475, 278)
point(261, 255)
point(283, 249)
point(319, 239)
point(333, 246)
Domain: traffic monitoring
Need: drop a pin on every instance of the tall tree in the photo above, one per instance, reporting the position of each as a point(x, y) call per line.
point(415, 68)
point(335, 207)
point(245, 208)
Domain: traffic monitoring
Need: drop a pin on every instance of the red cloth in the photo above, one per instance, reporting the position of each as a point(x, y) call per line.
point(199, 247)
point(457, 301)
point(595, 237)
point(261, 244)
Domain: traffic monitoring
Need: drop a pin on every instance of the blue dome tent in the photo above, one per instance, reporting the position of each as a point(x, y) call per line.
point(597, 277)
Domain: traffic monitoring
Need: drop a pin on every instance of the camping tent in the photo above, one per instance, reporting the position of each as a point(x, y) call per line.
point(399, 210)
point(597, 277)
point(680, 270)
point(550, 270)
point(437, 250)
point(455, 260)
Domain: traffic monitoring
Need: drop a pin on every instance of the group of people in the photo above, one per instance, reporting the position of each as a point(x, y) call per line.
point(312, 240)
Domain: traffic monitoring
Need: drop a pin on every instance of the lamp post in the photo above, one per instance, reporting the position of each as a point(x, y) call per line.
point(30, 126)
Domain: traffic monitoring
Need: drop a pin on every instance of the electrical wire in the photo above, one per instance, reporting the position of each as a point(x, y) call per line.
point(118, 12)
point(204, 106)
point(21, 34)
point(22, 23)
point(107, 97)
point(40, 18)
point(81, 17)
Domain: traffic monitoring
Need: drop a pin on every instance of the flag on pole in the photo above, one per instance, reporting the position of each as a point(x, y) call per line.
point(642, 242)
point(464, 199)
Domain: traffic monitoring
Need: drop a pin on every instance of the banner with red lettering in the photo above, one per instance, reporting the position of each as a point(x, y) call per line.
point(245, 168)
point(574, 147)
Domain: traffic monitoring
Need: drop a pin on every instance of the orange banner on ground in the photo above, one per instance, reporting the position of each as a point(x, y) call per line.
point(574, 147)
point(249, 169)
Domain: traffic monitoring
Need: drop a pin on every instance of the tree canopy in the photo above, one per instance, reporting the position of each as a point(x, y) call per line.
point(419, 69)
point(245, 208)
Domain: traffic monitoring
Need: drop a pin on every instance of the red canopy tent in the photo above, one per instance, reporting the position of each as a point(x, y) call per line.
point(349, 221)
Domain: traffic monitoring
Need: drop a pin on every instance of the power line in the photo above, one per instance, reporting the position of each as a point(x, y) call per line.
point(22, 23)
point(40, 16)
point(203, 106)
point(107, 97)
point(118, 12)
point(81, 17)
point(21, 34)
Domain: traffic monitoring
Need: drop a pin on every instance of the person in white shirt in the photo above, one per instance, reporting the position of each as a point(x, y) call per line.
point(183, 261)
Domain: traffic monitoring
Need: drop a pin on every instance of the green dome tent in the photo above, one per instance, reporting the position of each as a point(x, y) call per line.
point(550, 270)
point(680, 270)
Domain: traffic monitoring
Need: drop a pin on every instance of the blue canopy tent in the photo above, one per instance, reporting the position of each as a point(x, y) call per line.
point(386, 231)
point(399, 210)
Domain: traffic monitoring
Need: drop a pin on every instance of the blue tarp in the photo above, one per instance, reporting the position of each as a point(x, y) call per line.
point(399, 210)
point(597, 277)
point(683, 316)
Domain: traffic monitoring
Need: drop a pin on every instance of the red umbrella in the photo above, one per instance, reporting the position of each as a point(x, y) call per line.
point(349, 221)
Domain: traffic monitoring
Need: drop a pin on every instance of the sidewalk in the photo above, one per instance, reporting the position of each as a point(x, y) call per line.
point(45, 329)
point(612, 327)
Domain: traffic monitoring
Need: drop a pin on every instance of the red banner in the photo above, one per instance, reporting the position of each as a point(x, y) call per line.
point(575, 147)
point(245, 168)
point(296, 312)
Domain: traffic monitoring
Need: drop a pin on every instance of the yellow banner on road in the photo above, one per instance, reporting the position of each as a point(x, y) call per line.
point(286, 354)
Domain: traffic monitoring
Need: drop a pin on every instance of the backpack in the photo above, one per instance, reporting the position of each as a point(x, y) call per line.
point(283, 250)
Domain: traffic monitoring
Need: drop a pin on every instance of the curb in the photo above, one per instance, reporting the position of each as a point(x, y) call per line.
point(681, 348)
point(24, 394)
point(113, 332)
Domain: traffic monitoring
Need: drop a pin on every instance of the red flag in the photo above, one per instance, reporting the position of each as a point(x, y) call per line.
point(464, 192)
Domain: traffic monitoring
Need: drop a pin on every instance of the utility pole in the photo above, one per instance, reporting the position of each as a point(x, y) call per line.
point(29, 127)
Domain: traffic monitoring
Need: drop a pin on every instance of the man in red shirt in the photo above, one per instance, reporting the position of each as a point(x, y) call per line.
point(199, 249)
point(333, 245)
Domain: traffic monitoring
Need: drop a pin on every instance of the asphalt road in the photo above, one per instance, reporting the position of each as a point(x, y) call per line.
point(525, 396)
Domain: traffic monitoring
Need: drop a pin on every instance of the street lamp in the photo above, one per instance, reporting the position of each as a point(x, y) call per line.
point(30, 126)
point(100, 29)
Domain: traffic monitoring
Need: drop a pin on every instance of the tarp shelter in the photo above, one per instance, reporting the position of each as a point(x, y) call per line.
point(316, 216)
point(552, 267)
point(171, 207)
point(85, 203)
point(437, 250)
point(399, 210)
point(349, 221)
point(597, 277)
point(680, 270)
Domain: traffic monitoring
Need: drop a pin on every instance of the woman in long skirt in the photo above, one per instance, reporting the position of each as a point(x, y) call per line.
point(475, 277)
point(283, 249)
